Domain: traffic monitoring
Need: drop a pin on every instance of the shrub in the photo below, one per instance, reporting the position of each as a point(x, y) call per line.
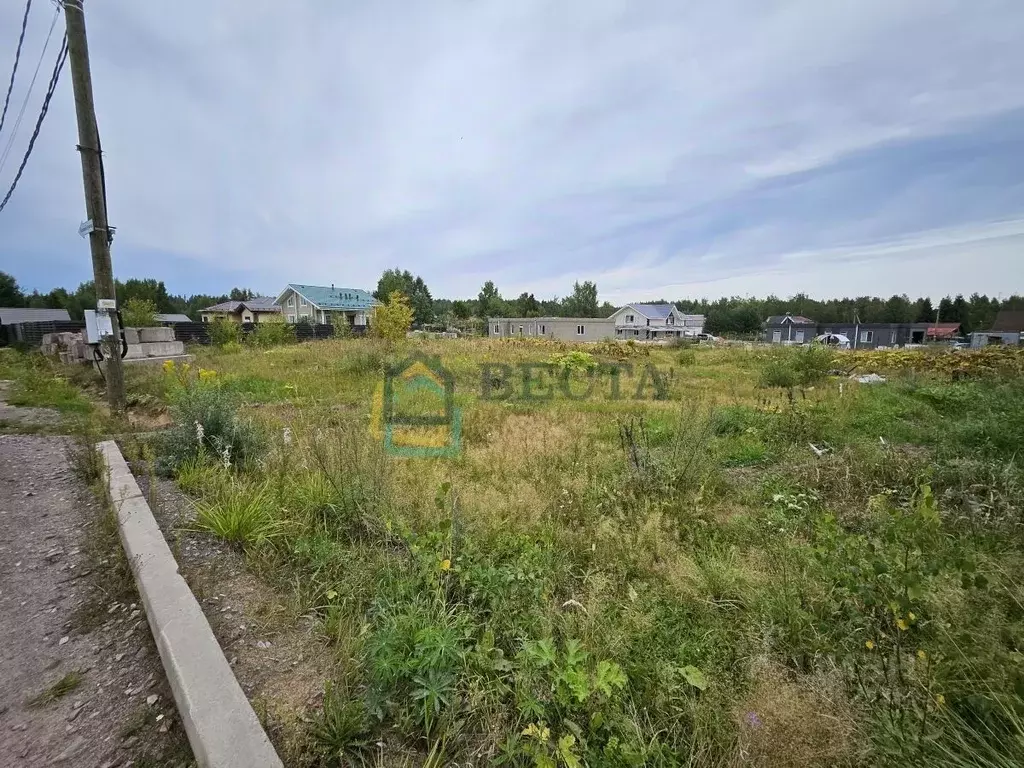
point(266, 335)
point(812, 364)
point(392, 320)
point(686, 357)
point(223, 332)
point(139, 313)
point(573, 361)
point(206, 423)
point(777, 372)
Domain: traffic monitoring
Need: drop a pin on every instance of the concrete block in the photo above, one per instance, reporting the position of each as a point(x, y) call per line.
point(156, 334)
point(162, 348)
point(131, 335)
point(222, 728)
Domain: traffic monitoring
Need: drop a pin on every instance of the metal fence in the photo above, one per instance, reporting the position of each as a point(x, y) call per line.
point(199, 333)
point(31, 334)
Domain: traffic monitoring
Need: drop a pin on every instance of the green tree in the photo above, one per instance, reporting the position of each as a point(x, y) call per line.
point(10, 293)
point(527, 305)
point(461, 310)
point(583, 301)
point(241, 294)
point(489, 301)
point(393, 318)
point(413, 287)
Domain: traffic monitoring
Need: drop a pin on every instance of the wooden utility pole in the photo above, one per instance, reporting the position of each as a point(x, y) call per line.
point(95, 199)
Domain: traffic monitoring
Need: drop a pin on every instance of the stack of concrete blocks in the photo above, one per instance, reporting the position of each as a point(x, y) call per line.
point(69, 347)
point(148, 343)
point(144, 345)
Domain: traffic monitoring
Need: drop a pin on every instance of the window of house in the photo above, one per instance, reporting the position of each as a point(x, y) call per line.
point(629, 318)
point(291, 300)
point(671, 320)
point(206, 318)
point(302, 302)
point(776, 337)
point(636, 333)
point(520, 330)
point(866, 337)
point(648, 322)
point(799, 337)
point(497, 328)
point(580, 330)
point(291, 318)
point(542, 330)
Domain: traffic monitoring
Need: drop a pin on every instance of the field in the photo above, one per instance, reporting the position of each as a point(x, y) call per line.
point(746, 562)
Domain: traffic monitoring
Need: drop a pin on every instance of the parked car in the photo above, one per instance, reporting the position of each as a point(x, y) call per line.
point(707, 337)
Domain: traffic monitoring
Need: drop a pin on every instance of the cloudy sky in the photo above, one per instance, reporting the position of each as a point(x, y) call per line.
point(661, 148)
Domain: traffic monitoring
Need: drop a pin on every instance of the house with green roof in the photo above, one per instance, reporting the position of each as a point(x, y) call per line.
point(323, 304)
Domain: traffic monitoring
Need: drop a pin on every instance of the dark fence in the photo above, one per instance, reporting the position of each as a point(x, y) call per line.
point(31, 334)
point(199, 333)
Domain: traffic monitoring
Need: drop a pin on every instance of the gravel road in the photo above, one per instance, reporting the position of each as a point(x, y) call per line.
point(61, 619)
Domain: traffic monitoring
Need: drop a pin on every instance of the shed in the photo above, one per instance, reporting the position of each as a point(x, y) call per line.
point(18, 315)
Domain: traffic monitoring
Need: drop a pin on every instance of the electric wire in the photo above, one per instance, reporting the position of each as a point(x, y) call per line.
point(14, 69)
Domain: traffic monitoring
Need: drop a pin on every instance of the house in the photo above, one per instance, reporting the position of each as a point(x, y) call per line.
point(256, 310)
point(654, 322)
point(19, 315)
point(790, 329)
point(561, 328)
point(1007, 330)
point(320, 304)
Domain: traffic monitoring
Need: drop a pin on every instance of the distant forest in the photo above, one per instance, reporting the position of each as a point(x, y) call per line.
point(734, 315)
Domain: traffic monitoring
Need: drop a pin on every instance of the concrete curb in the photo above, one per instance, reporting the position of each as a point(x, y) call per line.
point(221, 725)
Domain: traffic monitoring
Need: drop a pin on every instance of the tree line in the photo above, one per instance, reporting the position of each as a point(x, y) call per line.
point(734, 315)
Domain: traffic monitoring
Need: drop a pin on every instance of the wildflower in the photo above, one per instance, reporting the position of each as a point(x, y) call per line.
point(199, 433)
point(207, 375)
point(870, 645)
point(168, 366)
point(903, 626)
point(446, 564)
point(940, 700)
point(922, 655)
point(753, 720)
point(225, 456)
point(911, 616)
point(286, 435)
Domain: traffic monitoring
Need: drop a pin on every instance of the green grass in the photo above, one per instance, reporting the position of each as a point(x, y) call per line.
point(654, 582)
point(40, 383)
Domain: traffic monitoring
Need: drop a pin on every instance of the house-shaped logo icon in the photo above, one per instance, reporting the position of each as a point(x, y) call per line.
point(419, 417)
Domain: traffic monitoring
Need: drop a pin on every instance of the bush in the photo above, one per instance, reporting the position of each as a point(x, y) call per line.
point(206, 423)
point(812, 364)
point(224, 332)
point(266, 335)
point(687, 357)
point(139, 313)
point(777, 372)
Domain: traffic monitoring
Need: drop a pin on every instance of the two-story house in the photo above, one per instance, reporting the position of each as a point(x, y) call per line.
point(320, 304)
point(653, 322)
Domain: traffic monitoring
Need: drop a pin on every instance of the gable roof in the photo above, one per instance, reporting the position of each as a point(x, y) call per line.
point(255, 304)
point(332, 298)
point(1007, 321)
point(795, 319)
point(15, 315)
point(653, 311)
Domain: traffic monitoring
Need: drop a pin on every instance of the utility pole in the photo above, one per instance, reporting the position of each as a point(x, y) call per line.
point(95, 199)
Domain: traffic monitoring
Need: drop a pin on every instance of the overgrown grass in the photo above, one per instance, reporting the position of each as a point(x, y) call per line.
point(67, 684)
point(40, 383)
point(643, 582)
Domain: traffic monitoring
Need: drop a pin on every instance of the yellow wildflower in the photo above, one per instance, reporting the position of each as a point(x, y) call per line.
point(206, 374)
point(168, 366)
point(902, 625)
point(870, 645)
point(922, 655)
point(446, 564)
point(940, 700)
point(911, 616)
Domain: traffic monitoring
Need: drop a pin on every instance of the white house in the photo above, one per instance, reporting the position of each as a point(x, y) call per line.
point(652, 322)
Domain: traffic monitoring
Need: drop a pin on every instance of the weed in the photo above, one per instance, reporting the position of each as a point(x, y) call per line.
point(240, 512)
point(70, 682)
point(340, 730)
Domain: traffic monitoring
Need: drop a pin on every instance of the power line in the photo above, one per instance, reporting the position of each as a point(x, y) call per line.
point(62, 56)
point(17, 58)
point(31, 85)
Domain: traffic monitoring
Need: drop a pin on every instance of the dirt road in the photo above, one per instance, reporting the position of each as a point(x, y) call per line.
point(80, 681)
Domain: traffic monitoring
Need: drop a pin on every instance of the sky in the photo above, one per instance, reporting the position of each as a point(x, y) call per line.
point(661, 149)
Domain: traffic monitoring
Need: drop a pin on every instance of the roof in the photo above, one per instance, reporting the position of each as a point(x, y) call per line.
point(255, 304)
point(943, 330)
point(654, 311)
point(14, 315)
point(333, 298)
point(1007, 321)
point(165, 317)
point(795, 319)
